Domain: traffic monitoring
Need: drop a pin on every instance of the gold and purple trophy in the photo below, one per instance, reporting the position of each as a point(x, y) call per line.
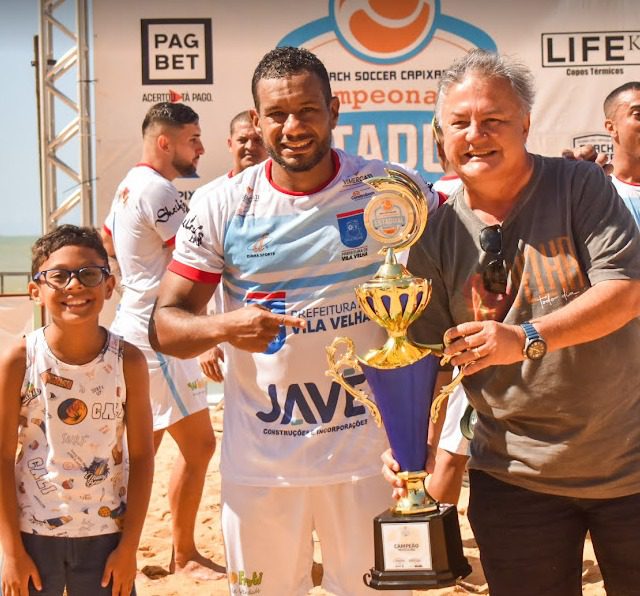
point(417, 542)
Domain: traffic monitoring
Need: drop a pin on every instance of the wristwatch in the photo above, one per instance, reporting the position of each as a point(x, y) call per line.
point(534, 346)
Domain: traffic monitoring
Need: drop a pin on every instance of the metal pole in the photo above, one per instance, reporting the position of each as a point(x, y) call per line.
point(84, 105)
point(78, 128)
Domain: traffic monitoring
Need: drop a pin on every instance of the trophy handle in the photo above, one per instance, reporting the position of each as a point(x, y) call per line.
point(445, 392)
point(367, 579)
point(338, 363)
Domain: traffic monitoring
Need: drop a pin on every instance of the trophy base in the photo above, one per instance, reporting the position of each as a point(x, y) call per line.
point(418, 551)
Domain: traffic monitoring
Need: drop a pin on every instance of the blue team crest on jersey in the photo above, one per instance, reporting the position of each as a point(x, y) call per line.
point(275, 302)
point(351, 226)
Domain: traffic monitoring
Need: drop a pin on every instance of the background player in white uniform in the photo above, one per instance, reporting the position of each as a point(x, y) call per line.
point(247, 149)
point(287, 237)
point(140, 232)
point(622, 113)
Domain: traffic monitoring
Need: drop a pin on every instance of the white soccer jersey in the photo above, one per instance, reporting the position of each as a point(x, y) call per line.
point(145, 214)
point(203, 193)
point(630, 194)
point(205, 190)
point(286, 422)
point(71, 468)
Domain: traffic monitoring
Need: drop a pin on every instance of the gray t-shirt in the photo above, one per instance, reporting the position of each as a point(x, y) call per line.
point(568, 424)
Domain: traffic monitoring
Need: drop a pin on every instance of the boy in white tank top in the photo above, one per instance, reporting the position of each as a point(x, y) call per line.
point(69, 392)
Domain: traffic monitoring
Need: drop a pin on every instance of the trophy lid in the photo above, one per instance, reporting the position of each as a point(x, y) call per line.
point(397, 214)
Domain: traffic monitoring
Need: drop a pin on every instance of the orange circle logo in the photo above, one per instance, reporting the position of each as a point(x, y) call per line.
point(380, 30)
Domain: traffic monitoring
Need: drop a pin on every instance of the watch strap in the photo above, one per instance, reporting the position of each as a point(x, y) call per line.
point(530, 331)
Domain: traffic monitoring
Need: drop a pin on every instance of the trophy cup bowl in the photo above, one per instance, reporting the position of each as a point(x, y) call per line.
point(394, 303)
point(417, 543)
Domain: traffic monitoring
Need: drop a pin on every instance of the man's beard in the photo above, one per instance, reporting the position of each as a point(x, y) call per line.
point(303, 165)
point(186, 169)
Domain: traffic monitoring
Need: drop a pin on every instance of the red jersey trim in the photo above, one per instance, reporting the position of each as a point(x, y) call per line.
point(171, 242)
point(350, 213)
point(442, 198)
point(629, 183)
point(336, 167)
point(107, 230)
point(147, 165)
point(278, 295)
point(193, 274)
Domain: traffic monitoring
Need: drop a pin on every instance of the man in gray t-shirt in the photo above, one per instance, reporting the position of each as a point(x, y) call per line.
point(535, 266)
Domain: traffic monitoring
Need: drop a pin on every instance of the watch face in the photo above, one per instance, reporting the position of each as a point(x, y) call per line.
point(468, 422)
point(536, 349)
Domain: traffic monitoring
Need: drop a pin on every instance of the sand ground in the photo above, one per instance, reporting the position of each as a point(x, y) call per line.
point(155, 546)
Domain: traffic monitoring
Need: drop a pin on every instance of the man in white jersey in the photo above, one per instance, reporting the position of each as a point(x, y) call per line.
point(287, 237)
point(622, 113)
point(140, 232)
point(247, 149)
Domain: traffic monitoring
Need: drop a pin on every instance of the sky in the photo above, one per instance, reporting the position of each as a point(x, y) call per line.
point(19, 173)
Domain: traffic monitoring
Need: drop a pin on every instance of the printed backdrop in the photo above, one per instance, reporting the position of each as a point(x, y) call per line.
point(384, 59)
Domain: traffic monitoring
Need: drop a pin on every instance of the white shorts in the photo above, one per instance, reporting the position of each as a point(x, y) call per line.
point(177, 388)
point(451, 438)
point(268, 535)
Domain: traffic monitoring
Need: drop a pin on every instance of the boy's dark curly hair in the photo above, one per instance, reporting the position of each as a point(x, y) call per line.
point(65, 235)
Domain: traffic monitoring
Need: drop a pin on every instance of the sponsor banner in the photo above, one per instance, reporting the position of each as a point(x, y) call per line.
point(384, 59)
point(600, 141)
point(592, 49)
point(176, 52)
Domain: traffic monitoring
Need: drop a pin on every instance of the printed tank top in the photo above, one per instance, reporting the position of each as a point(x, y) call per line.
point(71, 465)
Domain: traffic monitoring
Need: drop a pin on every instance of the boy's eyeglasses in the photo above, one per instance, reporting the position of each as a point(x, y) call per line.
point(59, 279)
point(494, 275)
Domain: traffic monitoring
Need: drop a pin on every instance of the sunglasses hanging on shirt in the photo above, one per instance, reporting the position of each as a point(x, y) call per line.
point(494, 275)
